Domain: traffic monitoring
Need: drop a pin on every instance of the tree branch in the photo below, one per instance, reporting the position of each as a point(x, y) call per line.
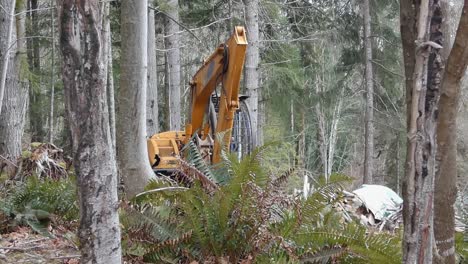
point(162, 189)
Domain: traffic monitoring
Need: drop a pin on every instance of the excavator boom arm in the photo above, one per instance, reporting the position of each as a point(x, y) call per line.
point(223, 66)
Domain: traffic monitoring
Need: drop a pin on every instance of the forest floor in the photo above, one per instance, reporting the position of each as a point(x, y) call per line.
point(23, 245)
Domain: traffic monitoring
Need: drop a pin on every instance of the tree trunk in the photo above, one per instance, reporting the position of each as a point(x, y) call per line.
point(81, 45)
point(173, 63)
point(418, 186)
point(131, 129)
point(397, 161)
point(109, 79)
point(261, 118)
point(301, 147)
point(333, 135)
point(369, 77)
point(152, 120)
point(52, 79)
point(321, 138)
point(36, 95)
point(6, 28)
point(166, 93)
point(446, 174)
point(13, 114)
point(252, 60)
point(35, 41)
point(408, 37)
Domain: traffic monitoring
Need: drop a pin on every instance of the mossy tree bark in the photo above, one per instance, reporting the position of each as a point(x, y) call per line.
point(83, 72)
point(14, 107)
point(423, 70)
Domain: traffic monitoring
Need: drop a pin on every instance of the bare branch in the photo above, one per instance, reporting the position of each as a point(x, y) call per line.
point(162, 189)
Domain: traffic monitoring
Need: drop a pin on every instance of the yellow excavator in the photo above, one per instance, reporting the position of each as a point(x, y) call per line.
point(212, 113)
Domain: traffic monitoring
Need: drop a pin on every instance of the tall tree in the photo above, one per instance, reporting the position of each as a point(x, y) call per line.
point(173, 65)
point(152, 120)
point(252, 60)
point(446, 170)
point(109, 79)
point(418, 185)
point(369, 80)
point(83, 74)
point(52, 77)
point(131, 124)
point(37, 98)
point(6, 30)
point(13, 114)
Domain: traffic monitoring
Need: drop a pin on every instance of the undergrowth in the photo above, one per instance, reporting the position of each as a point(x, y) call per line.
point(246, 218)
point(35, 202)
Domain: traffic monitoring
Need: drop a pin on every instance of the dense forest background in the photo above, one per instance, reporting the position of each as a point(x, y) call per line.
point(325, 79)
point(311, 78)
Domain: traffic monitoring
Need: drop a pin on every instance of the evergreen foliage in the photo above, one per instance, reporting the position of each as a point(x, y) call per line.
point(36, 202)
point(248, 217)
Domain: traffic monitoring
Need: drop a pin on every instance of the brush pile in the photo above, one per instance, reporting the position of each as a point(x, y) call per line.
point(375, 206)
point(44, 160)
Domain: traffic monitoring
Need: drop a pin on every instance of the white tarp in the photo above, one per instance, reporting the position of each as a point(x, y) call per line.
point(380, 200)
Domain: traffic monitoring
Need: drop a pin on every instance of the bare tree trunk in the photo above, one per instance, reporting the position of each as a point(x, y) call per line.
point(152, 120)
point(6, 28)
point(261, 118)
point(398, 165)
point(333, 136)
point(85, 98)
point(321, 131)
point(302, 141)
point(52, 79)
point(369, 127)
point(13, 115)
point(252, 60)
point(109, 79)
point(292, 117)
point(173, 63)
point(131, 124)
point(111, 93)
point(35, 41)
point(36, 96)
point(167, 99)
point(408, 16)
point(418, 186)
point(446, 174)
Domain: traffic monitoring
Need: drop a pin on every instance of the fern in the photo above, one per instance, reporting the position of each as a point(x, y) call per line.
point(324, 255)
point(34, 202)
point(57, 197)
point(247, 216)
point(149, 233)
point(373, 248)
point(194, 157)
point(461, 247)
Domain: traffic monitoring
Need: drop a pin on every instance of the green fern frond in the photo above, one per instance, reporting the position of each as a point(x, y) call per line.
point(282, 179)
point(193, 156)
point(192, 172)
point(324, 255)
point(323, 198)
point(57, 197)
point(374, 248)
point(461, 247)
